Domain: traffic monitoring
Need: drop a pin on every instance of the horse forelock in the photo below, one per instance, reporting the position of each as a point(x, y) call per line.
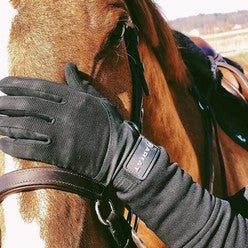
point(158, 35)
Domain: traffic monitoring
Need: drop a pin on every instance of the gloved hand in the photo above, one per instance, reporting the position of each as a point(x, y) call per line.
point(71, 126)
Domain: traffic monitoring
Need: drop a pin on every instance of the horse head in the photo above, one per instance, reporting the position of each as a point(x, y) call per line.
point(46, 35)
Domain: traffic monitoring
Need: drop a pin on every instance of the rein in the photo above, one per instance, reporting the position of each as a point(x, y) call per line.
point(48, 177)
point(55, 178)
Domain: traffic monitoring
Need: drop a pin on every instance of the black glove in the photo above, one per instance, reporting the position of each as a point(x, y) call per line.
point(71, 126)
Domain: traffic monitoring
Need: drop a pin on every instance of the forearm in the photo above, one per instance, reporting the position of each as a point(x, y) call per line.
point(183, 214)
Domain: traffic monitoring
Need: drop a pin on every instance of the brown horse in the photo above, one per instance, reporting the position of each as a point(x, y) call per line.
point(45, 36)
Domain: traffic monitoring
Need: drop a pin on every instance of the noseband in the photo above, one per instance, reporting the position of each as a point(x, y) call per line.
point(60, 179)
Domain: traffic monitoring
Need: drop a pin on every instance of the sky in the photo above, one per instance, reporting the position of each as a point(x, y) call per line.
point(173, 9)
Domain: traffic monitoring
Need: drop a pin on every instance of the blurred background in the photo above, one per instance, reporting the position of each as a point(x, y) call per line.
point(222, 23)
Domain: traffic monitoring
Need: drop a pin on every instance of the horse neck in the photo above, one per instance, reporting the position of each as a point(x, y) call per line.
point(168, 119)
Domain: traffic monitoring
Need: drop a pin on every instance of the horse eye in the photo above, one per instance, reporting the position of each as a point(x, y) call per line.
point(116, 36)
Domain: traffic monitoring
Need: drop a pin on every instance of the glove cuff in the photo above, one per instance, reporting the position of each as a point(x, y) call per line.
point(138, 164)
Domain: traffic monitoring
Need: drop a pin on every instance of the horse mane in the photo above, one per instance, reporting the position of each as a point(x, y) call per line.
point(154, 30)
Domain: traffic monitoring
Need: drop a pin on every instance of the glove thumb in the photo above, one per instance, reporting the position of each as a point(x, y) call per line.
point(74, 79)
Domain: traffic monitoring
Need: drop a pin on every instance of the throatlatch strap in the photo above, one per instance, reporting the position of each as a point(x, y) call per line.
point(50, 178)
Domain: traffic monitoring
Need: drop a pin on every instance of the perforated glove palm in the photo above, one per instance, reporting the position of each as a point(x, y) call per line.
point(71, 126)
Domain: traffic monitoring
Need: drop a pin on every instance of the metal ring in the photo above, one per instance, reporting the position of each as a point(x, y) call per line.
point(98, 213)
point(136, 223)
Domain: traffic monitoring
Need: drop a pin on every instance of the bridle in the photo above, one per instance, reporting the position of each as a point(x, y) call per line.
point(60, 179)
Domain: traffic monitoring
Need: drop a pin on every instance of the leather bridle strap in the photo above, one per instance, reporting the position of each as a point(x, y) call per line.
point(138, 79)
point(49, 178)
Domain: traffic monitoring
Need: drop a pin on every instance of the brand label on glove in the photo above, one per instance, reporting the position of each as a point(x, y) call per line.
point(142, 159)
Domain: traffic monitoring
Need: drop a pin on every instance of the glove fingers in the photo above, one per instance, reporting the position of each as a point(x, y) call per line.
point(75, 79)
point(73, 76)
point(23, 149)
point(16, 86)
point(24, 128)
point(25, 135)
point(28, 106)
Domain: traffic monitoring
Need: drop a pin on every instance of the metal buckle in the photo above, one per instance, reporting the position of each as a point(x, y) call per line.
point(98, 212)
point(214, 67)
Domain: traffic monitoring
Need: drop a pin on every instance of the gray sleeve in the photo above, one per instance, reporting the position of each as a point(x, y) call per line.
point(181, 212)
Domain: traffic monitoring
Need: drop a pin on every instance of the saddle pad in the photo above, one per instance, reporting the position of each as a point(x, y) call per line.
point(230, 103)
point(223, 90)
